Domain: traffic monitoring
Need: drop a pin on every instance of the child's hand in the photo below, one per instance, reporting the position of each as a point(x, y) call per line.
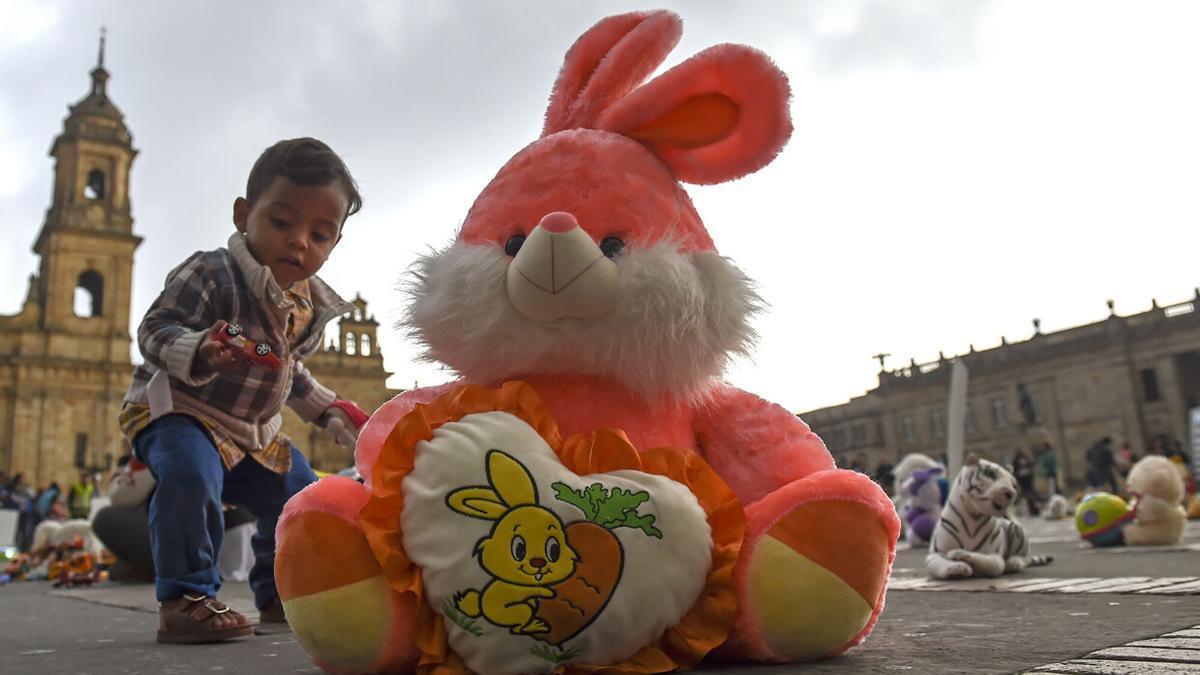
point(343, 419)
point(216, 356)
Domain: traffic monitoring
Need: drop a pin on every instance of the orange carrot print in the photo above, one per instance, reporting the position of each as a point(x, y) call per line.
point(580, 598)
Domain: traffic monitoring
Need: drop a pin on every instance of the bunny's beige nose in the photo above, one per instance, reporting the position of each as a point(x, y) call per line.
point(559, 272)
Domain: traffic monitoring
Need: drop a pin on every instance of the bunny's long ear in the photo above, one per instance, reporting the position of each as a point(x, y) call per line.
point(510, 479)
point(606, 62)
point(717, 116)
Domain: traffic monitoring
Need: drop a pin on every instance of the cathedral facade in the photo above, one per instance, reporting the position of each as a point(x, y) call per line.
point(1133, 378)
point(65, 357)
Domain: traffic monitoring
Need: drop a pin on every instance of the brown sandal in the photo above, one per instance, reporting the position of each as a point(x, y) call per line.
point(189, 620)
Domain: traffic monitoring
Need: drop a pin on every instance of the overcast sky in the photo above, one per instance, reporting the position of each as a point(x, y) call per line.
point(957, 169)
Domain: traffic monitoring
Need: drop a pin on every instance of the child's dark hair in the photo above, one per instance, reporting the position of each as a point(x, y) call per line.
point(304, 161)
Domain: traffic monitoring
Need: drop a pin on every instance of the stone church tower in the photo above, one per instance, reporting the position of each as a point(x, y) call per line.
point(64, 359)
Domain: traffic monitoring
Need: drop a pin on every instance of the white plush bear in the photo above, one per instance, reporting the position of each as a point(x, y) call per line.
point(1158, 488)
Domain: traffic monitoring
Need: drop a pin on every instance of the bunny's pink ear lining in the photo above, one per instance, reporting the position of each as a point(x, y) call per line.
point(698, 121)
point(717, 116)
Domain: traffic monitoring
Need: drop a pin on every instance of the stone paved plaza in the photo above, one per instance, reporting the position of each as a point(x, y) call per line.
point(1122, 610)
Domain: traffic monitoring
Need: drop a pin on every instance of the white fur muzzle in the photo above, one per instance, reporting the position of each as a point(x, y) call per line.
point(678, 318)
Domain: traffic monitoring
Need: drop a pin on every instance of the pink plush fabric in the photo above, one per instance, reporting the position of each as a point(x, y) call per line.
point(613, 185)
point(372, 436)
point(606, 63)
point(756, 446)
point(335, 495)
point(744, 76)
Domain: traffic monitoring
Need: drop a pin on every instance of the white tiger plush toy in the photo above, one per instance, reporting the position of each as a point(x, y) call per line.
point(973, 538)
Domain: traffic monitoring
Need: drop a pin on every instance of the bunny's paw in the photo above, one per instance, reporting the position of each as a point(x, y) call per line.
point(813, 568)
point(340, 606)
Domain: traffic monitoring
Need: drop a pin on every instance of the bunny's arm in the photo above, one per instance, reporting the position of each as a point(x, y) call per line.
point(755, 445)
point(372, 436)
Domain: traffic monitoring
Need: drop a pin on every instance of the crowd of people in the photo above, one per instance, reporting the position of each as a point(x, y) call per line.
point(47, 503)
point(1107, 468)
point(117, 511)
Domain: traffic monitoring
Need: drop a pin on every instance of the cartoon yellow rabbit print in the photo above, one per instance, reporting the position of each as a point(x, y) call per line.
point(526, 551)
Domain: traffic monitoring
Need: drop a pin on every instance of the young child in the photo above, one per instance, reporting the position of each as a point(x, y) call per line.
point(203, 418)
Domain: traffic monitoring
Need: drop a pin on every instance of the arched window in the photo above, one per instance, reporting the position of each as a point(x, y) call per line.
point(350, 344)
point(95, 185)
point(89, 294)
point(366, 345)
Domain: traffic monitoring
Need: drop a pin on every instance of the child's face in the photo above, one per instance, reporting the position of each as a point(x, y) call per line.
point(292, 228)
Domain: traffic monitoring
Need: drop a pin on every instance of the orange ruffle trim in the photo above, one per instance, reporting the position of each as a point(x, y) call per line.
point(705, 626)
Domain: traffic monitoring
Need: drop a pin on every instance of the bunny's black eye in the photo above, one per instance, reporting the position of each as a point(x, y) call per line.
point(552, 549)
point(610, 246)
point(518, 549)
point(514, 244)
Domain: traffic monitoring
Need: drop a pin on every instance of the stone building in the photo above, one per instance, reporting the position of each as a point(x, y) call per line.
point(1132, 378)
point(65, 357)
point(352, 365)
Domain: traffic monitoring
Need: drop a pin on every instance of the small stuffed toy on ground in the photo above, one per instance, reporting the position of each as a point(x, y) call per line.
point(973, 538)
point(1158, 489)
point(921, 493)
point(1057, 507)
point(589, 316)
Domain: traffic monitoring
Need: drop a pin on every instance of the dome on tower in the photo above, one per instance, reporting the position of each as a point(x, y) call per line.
point(95, 115)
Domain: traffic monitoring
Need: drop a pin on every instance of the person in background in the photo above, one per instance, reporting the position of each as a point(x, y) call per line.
point(79, 499)
point(860, 464)
point(1175, 449)
point(48, 504)
point(1022, 466)
point(1124, 460)
point(21, 498)
point(1158, 447)
point(1047, 469)
point(1100, 465)
point(884, 476)
point(1176, 453)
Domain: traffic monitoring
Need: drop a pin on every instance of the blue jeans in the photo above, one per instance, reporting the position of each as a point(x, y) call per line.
point(186, 521)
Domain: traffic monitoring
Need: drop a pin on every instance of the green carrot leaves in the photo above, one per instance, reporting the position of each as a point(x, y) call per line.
point(609, 508)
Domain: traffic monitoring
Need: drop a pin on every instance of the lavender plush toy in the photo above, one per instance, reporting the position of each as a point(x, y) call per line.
point(926, 491)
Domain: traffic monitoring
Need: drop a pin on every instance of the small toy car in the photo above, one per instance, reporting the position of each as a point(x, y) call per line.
point(257, 353)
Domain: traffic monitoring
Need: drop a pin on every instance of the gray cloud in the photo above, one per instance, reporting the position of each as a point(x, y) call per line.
point(912, 34)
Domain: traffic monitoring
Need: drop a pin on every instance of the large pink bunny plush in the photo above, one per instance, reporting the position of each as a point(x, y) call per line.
point(589, 315)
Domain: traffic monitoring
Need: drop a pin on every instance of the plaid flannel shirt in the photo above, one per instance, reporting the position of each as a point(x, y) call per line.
point(240, 411)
